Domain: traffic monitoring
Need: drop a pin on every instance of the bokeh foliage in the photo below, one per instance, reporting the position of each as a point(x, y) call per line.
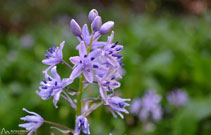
point(160, 52)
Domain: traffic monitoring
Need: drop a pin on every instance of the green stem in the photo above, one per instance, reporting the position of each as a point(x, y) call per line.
point(89, 48)
point(79, 102)
point(78, 111)
point(70, 67)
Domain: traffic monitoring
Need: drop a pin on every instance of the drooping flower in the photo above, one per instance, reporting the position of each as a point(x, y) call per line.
point(149, 107)
point(86, 63)
point(107, 83)
point(110, 52)
point(35, 121)
point(53, 86)
point(53, 56)
point(117, 105)
point(177, 97)
point(82, 125)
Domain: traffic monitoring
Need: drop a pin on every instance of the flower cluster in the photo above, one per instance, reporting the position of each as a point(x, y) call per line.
point(98, 62)
point(147, 108)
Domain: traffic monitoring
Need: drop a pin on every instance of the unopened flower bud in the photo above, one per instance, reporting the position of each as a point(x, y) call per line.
point(96, 24)
point(76, 29)
point(92, 14)
point(106, 27)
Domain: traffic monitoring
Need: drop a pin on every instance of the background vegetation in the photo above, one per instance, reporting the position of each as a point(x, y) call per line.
point(167, 44)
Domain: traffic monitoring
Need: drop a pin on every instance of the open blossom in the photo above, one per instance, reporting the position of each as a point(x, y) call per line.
point(52, 86)
point(117, 105)
point(111, 52)
point(177, 97)
point(53, 56)
point(82, 125)
point(148, 107)
point(35, 121)
point(107, 83)
point(86, 63)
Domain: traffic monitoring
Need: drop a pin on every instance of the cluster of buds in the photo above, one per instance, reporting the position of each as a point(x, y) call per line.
point(99, 62)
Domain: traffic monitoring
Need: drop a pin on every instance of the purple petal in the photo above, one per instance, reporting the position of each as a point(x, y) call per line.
point(94, 54)
point(31, 118)
point(97, 44)
point(89, 75)
point(92, 14)
point(85, 34)
point(51, 61)
point(76, 30)
point(76, 72)
point(55, 74)
point(103, 94)
point(59, 53)
point(96, 23)
point(75, 60)
point(82, 50)
point(66, 81)
point(110, 38)
point(24, 109)
point(112, 61)
point(99, 67)
point(56, 99)
point(28, 126)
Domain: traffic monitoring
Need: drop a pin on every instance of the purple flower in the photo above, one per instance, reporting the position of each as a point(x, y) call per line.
point(82, 125)
point(52, 86)
point(177, 97)
point(117, 104)
point(110, 52)
point(107, 83)
point(53, 56)
point(35, 121)
point(148, 107)
point(86, 63)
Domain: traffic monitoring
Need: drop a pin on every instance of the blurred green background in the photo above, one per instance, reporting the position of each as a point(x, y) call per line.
point(167, 44)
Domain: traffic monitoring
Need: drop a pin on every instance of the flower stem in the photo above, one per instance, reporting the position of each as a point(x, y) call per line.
point(70, 67)
point(89, 48)
point(59, 125)
point(78, 111)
